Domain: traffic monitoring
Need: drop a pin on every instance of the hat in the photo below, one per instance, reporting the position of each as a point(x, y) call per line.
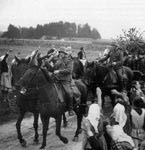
point(62, 50)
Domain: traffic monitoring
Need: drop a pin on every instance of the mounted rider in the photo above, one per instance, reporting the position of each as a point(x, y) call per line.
point(116, 62)
point(62, 70)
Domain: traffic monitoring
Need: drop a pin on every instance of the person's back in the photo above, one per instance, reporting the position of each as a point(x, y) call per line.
point(93, 130)
point(138, 121)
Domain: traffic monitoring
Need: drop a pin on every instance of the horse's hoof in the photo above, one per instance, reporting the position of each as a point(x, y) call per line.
point(42, 147)
point(80, 131)
point(76, 139)
point(64, 140)
point(23, 143)
point(65, 124)
point(36, 142)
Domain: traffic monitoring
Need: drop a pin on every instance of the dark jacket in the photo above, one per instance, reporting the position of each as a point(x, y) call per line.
point(115, 56)
point(4, 65)
point(65, 67)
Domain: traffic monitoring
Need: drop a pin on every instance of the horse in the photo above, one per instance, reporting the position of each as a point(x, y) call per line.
point(48, 102)
point(24, 103)
point(95, 76)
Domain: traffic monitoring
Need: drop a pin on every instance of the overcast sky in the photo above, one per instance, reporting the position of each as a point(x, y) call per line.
point(109, 17)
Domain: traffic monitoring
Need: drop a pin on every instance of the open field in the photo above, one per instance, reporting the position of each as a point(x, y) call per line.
point(25, 47)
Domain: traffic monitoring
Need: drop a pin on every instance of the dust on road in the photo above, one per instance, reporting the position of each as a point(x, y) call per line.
point(9, 141)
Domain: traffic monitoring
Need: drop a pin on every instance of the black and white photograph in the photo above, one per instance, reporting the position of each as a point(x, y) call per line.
point(72, 74)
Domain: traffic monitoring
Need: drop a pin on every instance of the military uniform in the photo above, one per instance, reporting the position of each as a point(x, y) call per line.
point(116, 61)
point(64, 76)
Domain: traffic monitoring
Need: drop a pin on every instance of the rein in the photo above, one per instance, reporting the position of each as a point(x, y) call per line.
point(37, 88)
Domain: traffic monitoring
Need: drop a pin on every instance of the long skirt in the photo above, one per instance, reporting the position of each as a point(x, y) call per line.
point(6, 82)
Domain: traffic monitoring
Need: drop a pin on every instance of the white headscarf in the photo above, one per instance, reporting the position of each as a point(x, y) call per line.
point(119, 114)
point(2, 57)
point(94, 116)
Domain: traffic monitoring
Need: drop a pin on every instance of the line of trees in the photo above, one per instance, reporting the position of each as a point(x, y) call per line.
point(55, 29)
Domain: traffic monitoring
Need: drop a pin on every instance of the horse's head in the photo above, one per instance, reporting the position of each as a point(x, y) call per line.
point(95, 73)
point(89, 73)
point(18, 68)
point(34, 77)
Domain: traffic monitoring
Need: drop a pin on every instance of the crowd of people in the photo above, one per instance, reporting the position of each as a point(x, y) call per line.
point(124, 129)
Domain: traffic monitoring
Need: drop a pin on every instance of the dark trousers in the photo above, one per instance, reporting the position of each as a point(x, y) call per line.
point(69, 94)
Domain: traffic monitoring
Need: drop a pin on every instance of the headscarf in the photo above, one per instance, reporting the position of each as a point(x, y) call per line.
point(119, 114)
point(94, 116)
point(2, 57)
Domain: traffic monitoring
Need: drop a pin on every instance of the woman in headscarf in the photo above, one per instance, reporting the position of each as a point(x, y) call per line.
point(6, 86)
point(125, 109)
point(93, 130)
point(138, 121)
point(119, 139)
point(136, 92)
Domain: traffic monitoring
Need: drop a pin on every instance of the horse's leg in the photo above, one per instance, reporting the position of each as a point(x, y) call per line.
point(64, 120)
point(103, 99)
point(45, 122)
point(35, 125)
point(58, 129)
point(112, 99)
point(18, 127)
point(94, 92)
point(79, 121)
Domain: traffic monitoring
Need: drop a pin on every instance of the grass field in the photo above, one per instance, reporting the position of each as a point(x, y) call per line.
point(25, 47)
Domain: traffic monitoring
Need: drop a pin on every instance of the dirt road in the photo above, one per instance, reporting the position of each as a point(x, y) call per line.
point(9, 141)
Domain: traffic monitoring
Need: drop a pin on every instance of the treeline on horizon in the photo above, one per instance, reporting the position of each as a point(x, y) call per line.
point(55, 29)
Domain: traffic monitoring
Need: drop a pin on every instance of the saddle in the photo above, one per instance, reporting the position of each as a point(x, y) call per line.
point(61, 92)
point(111, 78)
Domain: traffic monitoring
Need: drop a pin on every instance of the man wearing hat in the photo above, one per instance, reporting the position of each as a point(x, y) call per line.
point(63, 73)
point(116, 61)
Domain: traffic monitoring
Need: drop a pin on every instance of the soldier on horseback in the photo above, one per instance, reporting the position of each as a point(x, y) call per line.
point(62, 70)
point(116, 62)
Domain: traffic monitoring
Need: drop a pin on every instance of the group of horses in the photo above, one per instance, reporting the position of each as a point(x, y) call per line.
point(41, 97)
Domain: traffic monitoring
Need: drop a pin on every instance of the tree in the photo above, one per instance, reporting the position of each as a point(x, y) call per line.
point(132, 41)
point(13, 32)
point(95, 34)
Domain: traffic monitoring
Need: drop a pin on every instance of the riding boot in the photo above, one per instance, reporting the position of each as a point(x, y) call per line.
point(69, 97)
point(70, 109)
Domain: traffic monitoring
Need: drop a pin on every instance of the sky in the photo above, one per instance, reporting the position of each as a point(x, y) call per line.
point(109, 17)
